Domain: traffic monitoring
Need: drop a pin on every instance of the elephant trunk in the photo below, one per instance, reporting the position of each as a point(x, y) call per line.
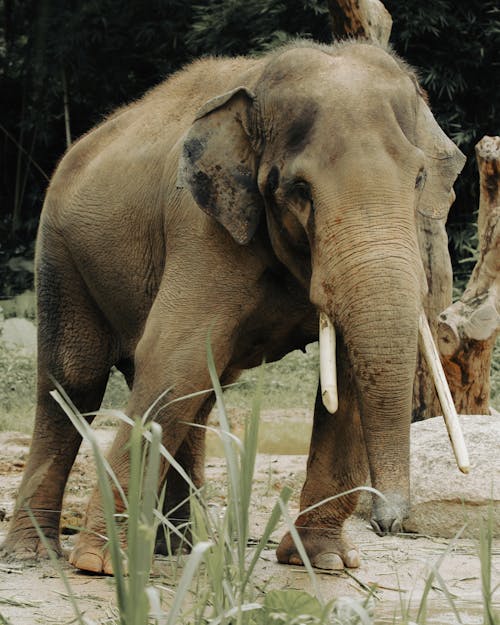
point(373, 300)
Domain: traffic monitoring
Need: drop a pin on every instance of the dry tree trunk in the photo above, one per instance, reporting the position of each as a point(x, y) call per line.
point(364, 19)
point(433, 244)
point(468, 328)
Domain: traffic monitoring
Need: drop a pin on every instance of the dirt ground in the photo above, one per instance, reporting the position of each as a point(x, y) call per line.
point(397, 566)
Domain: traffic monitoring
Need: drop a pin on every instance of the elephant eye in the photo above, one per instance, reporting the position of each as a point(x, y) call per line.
point(421, 178)
point(303, 190)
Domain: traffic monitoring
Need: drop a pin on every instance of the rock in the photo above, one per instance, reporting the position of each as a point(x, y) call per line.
point(19, 334)
point(443, 499)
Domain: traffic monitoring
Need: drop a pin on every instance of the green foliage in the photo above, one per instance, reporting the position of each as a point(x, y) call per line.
point(454, 46)
point(238, 27)
point(97, 55)
point(289, 383)
point(17, 390)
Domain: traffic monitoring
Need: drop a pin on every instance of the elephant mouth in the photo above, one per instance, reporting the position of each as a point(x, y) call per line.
point(328, 381)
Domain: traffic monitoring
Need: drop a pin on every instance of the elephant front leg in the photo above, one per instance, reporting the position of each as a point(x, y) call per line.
point(173, 359)
point(90, 552)
point(337, 463)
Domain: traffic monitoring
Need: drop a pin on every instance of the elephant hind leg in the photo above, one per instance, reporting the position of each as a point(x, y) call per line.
point(126, 367)
point(74, 349)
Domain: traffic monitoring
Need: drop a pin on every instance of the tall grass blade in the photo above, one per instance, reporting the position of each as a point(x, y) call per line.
point(301, 549)
point(248, 455)
point(85, 430)
point(107, 497)
point(142, 500)
point(485, 551)
point(448, 595)
point(229, 448)
point(369, 489)
point(236, 611)
point(422, 608)
point(152, 475)
point(190, 569)
point(81, 619)
point(271, 524)
point(132, 525)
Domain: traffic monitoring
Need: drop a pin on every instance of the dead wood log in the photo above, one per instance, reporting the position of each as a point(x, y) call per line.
point(433, 244)
point(363, 19)
point(468, 329)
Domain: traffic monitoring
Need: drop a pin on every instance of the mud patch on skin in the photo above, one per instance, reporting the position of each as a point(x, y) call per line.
point(193, 149)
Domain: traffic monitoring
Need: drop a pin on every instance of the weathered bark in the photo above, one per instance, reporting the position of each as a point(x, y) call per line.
point(433, 243)
point(433, 359)
point(468, 328)
point(364, 19)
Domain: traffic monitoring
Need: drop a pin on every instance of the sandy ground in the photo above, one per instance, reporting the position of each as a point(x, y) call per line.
point(397, 566)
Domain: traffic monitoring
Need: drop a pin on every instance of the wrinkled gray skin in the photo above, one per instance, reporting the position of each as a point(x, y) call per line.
point(302, 174)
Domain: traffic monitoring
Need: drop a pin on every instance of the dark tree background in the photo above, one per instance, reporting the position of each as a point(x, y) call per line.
point(65, 65)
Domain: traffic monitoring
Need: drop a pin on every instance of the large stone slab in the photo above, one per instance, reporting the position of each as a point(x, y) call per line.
point(443, 498)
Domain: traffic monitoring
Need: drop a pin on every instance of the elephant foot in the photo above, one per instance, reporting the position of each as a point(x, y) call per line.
point(170, 543)
point(395, 527)
point(326, 550)
point(91, 554)
point(25, 545)
point(389, 514)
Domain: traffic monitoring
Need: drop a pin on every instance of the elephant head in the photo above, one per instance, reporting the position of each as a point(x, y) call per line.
point(337, 150)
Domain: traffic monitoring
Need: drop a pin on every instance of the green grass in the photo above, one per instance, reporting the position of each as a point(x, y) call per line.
point(17, 391)
point(288, 384)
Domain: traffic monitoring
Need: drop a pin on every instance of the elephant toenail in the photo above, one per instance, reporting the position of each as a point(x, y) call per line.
point(329, 561)
point(87, 561)
point(396, 527)
point(376, 528)
point(352, 560)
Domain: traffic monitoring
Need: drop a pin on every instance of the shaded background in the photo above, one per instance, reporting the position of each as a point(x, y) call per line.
point(65, 65)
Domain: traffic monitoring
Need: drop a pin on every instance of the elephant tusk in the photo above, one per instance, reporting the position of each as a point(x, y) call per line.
point(450, 416)
point(327, 363)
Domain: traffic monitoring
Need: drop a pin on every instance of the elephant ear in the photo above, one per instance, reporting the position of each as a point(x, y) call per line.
point(444, 161)
point(219, 165)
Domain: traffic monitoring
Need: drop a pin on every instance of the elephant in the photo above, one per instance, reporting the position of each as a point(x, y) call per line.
point(245, 197)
